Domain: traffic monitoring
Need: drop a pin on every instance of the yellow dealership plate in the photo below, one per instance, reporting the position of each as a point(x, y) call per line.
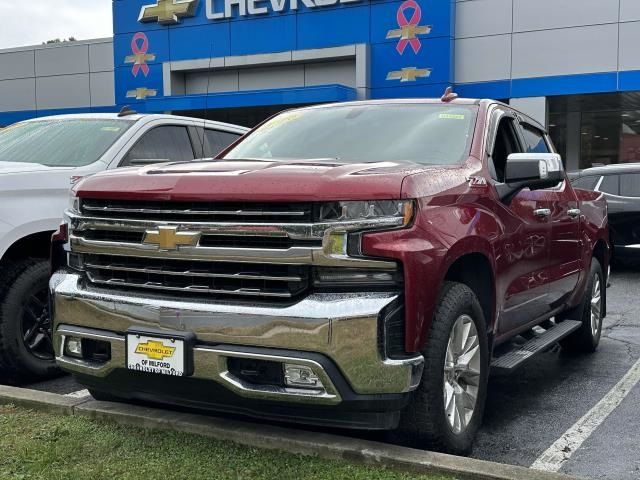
point(165, 356)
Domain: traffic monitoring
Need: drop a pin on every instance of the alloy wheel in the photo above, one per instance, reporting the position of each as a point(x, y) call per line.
point(462, 369)
point(36, 326)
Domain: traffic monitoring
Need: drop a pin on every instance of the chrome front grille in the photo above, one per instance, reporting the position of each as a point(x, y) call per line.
point(215, 250)
point(191, 277)
point(199, 211)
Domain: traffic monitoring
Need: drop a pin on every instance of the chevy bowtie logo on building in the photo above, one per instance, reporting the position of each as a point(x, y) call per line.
point(168, 12)
point(169, 238)
point(142, 93)
point(140, 57)
point(407, 35)
point(409, 74)
point(409, 29)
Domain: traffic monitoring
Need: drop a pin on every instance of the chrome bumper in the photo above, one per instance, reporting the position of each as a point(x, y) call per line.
point(341, 327)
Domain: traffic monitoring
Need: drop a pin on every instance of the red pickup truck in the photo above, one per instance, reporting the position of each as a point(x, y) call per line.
point(361, 265)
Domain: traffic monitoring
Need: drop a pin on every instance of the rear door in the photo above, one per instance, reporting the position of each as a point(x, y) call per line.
point(215, 140)
point(161, 143)
point(522, 254)
point(623, 199)
point(565, 263)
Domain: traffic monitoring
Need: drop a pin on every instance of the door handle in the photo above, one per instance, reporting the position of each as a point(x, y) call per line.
point(542, 212)
point(574, 212)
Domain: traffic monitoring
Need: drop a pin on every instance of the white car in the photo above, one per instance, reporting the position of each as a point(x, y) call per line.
point(39, 161)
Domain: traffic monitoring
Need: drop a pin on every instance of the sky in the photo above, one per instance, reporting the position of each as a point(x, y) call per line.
point(31, 22)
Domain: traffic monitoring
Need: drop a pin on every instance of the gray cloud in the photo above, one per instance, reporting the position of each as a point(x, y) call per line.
point(31, 22)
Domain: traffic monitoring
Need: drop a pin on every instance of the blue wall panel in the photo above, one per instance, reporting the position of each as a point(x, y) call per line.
point(375, 22)
point(157, 45)
point(213, 41)
point(438, 15)
point(332, 27)
point(434, 55)
point(126, 82)
point(263, 35)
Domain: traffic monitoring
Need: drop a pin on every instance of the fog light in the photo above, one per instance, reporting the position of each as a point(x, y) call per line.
point(73, 347)
point(301, 376)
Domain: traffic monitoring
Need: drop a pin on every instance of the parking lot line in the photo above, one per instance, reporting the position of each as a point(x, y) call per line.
point(78, 394)
point(562, 449)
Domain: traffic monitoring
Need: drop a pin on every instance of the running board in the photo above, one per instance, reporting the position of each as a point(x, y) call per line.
point(510, 361)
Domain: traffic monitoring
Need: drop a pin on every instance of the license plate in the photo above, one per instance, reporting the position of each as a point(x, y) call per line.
point(165, 356)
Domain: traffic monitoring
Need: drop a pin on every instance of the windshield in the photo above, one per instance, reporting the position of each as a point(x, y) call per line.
point(60, 143)
point(420, 133)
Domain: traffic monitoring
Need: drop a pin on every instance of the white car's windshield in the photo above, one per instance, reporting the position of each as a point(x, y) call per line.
point(420, 133)
point(60, 143)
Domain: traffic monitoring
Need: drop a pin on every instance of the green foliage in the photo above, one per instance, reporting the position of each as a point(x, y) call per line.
point(38, 446)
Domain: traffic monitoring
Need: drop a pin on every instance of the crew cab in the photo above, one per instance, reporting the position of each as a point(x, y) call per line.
point(359, 265)
point(39, 161)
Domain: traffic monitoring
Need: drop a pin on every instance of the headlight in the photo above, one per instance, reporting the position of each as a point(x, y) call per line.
point(326, 277)
point(367, 210)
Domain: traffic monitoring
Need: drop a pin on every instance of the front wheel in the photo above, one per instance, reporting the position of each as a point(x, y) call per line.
point(26, 349)
point(587, 338)
point(447, 408)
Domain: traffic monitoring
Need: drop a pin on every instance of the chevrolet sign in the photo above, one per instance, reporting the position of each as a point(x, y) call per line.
point(262, 7)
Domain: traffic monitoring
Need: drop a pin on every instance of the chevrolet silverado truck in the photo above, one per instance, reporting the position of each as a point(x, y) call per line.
point(39, 161)
point(360, 265)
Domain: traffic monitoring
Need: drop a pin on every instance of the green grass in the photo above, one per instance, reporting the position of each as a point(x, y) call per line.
point(36, 445)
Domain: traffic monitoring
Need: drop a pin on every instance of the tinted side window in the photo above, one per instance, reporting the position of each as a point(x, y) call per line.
point(161, 143)
point(586, 183)
point(215, 141)
point(506, 143)
point(630, 185)
point(610, 185)
point(534, 140)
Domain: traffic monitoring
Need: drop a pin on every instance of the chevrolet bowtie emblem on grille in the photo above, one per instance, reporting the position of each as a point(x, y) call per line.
point(409, 74)
point(142, 93)
point(168, 12)
point(168, 238)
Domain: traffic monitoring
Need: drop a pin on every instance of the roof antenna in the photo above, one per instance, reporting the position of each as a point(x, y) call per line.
point(449, 95)
point(126, 111)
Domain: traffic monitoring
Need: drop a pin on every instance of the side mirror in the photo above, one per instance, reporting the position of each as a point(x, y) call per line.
point(533, 170)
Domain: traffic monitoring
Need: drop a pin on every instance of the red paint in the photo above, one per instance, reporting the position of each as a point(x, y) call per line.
point(535, 266)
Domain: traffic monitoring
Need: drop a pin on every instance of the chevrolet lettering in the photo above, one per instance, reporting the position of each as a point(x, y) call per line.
point(219, 9)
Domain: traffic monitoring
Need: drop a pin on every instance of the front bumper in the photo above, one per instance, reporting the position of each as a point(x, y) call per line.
point(336, 335)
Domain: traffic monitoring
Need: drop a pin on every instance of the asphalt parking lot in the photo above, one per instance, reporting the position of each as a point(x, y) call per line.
point(568, 408)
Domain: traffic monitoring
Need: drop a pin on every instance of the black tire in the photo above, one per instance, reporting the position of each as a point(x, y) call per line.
point(24, 309)
point(586, 339)
point(424, 423)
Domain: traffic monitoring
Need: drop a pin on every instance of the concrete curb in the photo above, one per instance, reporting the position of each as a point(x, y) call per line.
point(272, 437)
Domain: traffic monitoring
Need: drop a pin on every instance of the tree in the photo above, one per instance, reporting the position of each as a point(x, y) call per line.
point(57, 40)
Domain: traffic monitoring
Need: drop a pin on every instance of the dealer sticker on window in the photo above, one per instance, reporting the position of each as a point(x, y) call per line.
point(155, 355)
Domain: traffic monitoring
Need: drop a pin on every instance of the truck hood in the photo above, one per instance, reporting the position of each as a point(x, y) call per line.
point(18, 167)
point(257, 180)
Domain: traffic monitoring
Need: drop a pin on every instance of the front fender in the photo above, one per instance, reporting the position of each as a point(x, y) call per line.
point(437, 239)
point(10, 235)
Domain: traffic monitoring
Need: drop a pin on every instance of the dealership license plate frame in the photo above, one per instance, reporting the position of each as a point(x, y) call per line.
point(186, 338)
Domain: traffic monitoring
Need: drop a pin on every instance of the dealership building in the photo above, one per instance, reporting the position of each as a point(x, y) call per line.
point(572, 64)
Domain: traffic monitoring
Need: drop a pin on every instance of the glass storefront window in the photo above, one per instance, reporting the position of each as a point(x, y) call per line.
point(599, 129)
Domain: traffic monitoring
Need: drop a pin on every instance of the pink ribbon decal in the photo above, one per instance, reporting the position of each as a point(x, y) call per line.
point(409, 25)
point(140, 53)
